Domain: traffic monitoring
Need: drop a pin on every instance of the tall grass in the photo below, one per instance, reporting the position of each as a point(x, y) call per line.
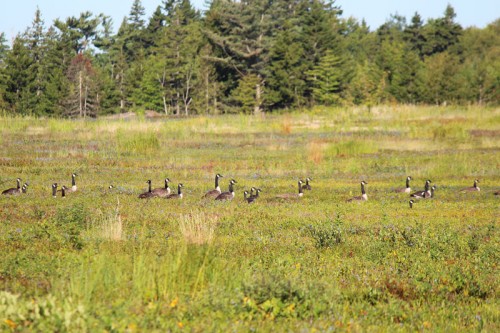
point(197, 228)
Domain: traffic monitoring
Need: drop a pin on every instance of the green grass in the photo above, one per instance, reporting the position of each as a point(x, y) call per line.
point(103, 260)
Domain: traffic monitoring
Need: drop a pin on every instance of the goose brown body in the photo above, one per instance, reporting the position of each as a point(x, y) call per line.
point(162, 192)
point(229, 195)
point(177, 195)
point(216, 191)
point(13, 190)
point(287, 196)
point(363, 196)
point(473, 188)
point(149, 193)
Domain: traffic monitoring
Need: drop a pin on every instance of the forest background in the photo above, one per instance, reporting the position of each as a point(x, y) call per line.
point(244, 57)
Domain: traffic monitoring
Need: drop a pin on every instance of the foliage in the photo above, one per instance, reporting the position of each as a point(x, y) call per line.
point(243, 57)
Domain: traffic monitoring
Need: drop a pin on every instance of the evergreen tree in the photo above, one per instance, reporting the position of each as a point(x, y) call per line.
point(414, 34)
point(441, 34)
point(4, 49)
point(286, 73)
point(17, 64)
point(325, 79)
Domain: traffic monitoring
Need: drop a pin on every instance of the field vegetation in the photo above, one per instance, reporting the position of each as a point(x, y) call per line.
point(103, 260)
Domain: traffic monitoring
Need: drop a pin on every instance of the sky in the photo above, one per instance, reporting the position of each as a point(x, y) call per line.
point(17, 15)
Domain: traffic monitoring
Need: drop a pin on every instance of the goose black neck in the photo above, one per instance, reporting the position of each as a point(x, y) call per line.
point(166, 183)
point(149, 186)
point(54, 191)
point(407, 183)
point(216, 181)
point(179, 189)
point(73, 183)
point(363, 188)
point(63, 192)
point(300, 187)
point(427, 186)
point(475, 184)
point(231, 188)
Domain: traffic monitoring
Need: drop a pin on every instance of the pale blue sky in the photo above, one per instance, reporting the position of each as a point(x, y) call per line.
point(17, 15)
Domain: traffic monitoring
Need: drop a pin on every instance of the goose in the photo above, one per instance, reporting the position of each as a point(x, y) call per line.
point(292, 195)
point(149, 193)
point(63, 191)
point(54, 190)
point(24, 189)
point(73, 183)
point(229, 195)
point(215, 192)
point(411, 202)
point(246, 195)
point(474, 188)
point(162, 192)
point(177, 195)
point(363, 196)
point(254, 197)
point(252, 189)
point(13, 190)
point(422, 194)
point(430, 194)
point(306, 186)
point(257, 191)
point(406, 189)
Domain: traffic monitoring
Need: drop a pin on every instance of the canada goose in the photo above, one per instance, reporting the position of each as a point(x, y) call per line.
point(411, 202)
point(306, 186)
point(422, 194)
point(292, 195)
point(177, 195)
point(229, 195)
point(406, 189)
point(363, 196)
point(54, 190)
point(63, 191)
point(430, 194)
point(474, 188)
point(14, 190)
point(252, 189)
point(255, 196)
point(73, 183)
point(149, 193)
point(215, 192)
point(162, 192)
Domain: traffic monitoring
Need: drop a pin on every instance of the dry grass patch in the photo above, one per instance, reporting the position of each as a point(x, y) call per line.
point(197, 227)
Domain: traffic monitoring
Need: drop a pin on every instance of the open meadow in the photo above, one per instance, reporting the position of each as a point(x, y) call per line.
point(103, 260)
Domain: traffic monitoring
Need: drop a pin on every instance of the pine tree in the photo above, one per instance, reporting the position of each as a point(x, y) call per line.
point(414, 34)
point(4, 50)
point(325, 79)
point(286, 77)
point(441, 34)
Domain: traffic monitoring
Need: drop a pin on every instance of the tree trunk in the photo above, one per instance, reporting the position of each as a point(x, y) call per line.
point(80, 94)
point(258, 102)
point(165, 106)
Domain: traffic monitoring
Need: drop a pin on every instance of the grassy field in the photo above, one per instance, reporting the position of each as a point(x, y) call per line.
point(103, 260)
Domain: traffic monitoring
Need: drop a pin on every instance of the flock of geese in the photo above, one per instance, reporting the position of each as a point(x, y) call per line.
point(250, 197)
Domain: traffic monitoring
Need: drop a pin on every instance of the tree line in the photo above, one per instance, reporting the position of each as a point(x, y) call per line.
point(244, 57)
